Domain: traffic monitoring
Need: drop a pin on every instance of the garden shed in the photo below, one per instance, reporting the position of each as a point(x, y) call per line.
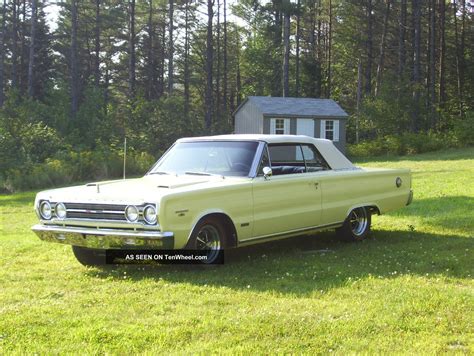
point(320, 118)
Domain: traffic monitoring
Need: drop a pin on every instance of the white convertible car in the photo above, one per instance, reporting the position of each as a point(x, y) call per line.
point(217, 192)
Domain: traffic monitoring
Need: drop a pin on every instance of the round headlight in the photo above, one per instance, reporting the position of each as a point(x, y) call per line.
point(45, 210)
point(131, 213)
point(149, 214)
point(60, 210)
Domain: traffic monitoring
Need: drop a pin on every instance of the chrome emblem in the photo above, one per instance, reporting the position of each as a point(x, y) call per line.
point(398, 182)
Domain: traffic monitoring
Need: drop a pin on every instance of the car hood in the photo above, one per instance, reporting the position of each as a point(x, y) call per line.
point(132, 191)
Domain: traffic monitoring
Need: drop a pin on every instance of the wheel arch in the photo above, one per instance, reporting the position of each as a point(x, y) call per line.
point(227, 222)
point(371, 207)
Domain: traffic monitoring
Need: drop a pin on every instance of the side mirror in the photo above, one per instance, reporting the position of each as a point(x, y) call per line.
point(267, 172)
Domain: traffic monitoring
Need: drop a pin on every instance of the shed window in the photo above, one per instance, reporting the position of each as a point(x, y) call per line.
point(280, 126)
point(330, 130)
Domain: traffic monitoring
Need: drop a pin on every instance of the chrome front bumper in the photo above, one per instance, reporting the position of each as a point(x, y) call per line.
point(105, 238)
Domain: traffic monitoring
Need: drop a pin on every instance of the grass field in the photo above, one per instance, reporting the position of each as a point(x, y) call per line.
point(407, 289)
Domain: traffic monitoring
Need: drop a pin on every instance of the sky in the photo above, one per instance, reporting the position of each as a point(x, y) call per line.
point(52, 13)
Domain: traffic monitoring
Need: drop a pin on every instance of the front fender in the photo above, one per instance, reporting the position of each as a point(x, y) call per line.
point(182, 210)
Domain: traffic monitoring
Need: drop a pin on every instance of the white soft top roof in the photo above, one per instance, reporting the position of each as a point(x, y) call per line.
point(331, 154)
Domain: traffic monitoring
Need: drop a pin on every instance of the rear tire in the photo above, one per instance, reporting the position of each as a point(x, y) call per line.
point(356, 227)
point(89, 256)
point(209, 235)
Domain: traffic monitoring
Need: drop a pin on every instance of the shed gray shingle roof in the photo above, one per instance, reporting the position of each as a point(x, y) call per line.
point(279, 106)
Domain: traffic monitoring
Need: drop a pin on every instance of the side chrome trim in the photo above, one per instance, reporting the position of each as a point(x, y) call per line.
point(292, 232)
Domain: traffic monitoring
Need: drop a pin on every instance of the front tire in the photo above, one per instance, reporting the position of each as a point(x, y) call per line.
point(209, 236)
point(357, 225)
point(89, 256)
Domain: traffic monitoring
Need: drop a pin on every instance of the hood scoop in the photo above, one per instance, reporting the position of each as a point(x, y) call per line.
point(179, 182)
point(107, 182)
point(94, 185)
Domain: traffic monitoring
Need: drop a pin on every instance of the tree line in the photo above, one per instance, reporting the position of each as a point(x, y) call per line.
point(154, 70)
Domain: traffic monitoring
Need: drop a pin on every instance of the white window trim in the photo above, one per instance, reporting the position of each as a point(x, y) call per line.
point(286, 126)
point(335, 128)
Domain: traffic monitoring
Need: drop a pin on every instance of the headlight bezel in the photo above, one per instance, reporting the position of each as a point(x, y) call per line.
point(41, 212)
point(147, 208)
point(63, 209)
point(127, 214)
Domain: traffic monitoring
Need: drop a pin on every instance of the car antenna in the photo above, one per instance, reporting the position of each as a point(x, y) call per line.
point(124, 156)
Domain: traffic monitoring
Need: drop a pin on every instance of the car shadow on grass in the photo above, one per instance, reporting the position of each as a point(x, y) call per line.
point(306, 264)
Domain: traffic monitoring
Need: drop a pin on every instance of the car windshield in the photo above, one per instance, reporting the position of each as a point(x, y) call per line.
point(226, 158)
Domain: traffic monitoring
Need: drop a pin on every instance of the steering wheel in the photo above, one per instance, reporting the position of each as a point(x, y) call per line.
point(241, 167)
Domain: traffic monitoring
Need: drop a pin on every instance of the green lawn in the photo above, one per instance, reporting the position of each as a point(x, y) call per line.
point(407, 289)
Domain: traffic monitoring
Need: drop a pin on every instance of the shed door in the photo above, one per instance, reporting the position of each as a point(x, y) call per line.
point(305, 127)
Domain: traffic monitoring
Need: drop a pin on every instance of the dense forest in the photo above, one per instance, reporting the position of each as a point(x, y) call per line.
point(156, 70)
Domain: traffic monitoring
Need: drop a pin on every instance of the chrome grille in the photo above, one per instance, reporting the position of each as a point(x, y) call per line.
point(96, 211)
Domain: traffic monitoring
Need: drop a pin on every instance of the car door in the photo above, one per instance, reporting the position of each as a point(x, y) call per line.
point(286, 201)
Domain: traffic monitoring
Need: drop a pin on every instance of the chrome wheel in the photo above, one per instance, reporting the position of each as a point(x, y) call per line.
point(356, 227)
point(358, 221)
point(208, 239)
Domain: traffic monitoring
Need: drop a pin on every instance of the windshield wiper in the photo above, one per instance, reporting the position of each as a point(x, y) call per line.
point(158, 173)
point(198, 173)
